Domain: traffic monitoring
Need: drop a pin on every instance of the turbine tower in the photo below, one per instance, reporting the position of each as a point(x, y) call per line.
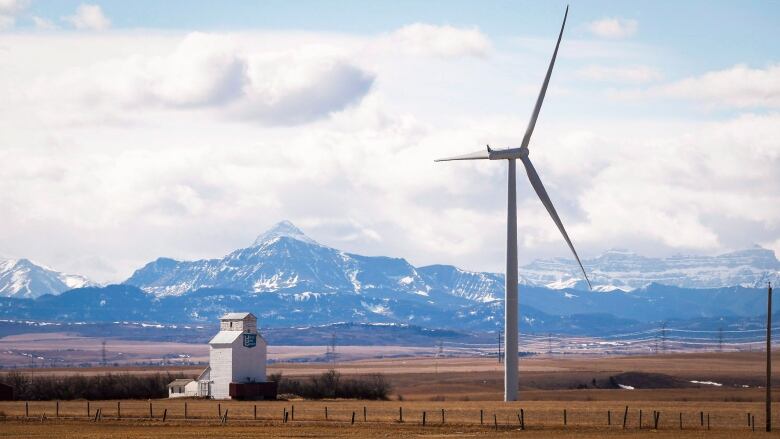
point(511, 155)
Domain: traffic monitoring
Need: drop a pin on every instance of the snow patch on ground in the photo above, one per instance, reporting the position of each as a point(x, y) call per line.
point(708, 383)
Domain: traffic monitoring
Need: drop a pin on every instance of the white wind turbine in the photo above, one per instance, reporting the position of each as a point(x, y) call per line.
point(512, 154)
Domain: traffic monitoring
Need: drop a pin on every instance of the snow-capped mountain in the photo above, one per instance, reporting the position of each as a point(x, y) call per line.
point(624, 270)
point(282, 260)
point(21, 278)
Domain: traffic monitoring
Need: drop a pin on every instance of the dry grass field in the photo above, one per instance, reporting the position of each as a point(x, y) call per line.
point(461, 387)
point(307, 419)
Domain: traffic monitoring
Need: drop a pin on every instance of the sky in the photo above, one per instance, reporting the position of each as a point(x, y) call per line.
point(135, 130)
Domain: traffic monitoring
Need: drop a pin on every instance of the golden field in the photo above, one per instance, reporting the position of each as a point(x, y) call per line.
point(461, 387)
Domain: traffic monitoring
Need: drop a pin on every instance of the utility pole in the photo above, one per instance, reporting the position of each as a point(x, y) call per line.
point(103, 354)
point(499, 346)
point(769, 358)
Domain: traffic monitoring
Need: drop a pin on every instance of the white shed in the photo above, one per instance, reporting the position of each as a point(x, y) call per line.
point(182, 388)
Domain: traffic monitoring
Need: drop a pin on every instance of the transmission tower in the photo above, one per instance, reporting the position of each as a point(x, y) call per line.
point(439, 352)
point(663, 337)
point(333, 349)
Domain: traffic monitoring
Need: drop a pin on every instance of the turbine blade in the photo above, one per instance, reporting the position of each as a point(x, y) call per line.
point(540, 99)
point(542, 193)
point(479, 155)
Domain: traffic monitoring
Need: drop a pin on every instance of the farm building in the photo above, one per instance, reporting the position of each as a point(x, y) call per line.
point(182, 387)
point(237, 358)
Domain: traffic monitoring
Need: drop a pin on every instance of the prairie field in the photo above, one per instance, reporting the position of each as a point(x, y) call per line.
point(726, 395)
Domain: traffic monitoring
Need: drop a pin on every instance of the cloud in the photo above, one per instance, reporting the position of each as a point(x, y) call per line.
point(194, 143)
point(213, 71)
point(9, 10)
point(43, 23)
point(445, 41)
point(630, 74)
point(89, 17)
point(737, 87)
point(12, 7)
point(613, 28)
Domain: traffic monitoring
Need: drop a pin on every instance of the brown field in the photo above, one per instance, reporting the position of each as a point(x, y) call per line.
point(459, 386)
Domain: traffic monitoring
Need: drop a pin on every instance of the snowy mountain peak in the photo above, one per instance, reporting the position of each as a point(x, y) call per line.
point(22, 278)
point(282, 229)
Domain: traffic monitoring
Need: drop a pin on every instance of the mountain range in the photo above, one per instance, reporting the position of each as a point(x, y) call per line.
point(288, 279)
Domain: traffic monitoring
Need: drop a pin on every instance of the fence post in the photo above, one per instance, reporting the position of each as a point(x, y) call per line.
point(400, 414)
point(640, 419)
point(423, 418)
point(118, 410)
point(292, 412)
point(219, 410)
point(748, 419)
point(97, 412)
point(495, 421)
point(625, 418)
point(151, 413)
point(480, 418)
point(26, 409)
point(353, 418)
point(701, 417)
point(708, 420)
point(564, 417)
point(680, 420)
point(165, 414)
point(522, 420)
point(57, 410)
point(365, 415)
point(88, 412)
point(224, 417)
point(657, 417)
point(326, 413)
point(185, 409)
point(254, 415)
point(442, 416)
point(609, 417)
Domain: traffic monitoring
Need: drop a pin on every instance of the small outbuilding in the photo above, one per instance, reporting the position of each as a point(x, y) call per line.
point(182, 388)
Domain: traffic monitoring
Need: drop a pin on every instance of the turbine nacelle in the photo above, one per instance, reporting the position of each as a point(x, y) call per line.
point(491, 154)
point(507, 154)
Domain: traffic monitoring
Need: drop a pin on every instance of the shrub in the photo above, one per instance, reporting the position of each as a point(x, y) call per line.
point(331, 385)
point(95, 387)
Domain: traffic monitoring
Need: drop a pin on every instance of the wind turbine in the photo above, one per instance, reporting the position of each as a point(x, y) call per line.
point(511, 155)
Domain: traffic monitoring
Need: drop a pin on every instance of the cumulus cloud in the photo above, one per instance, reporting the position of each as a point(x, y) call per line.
point(43, 23)
point(89, 17)
point(739, 87)
point(9, 10)
point(613, 28)
point(630, 74)
point(212, 71)
point(444, 41)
